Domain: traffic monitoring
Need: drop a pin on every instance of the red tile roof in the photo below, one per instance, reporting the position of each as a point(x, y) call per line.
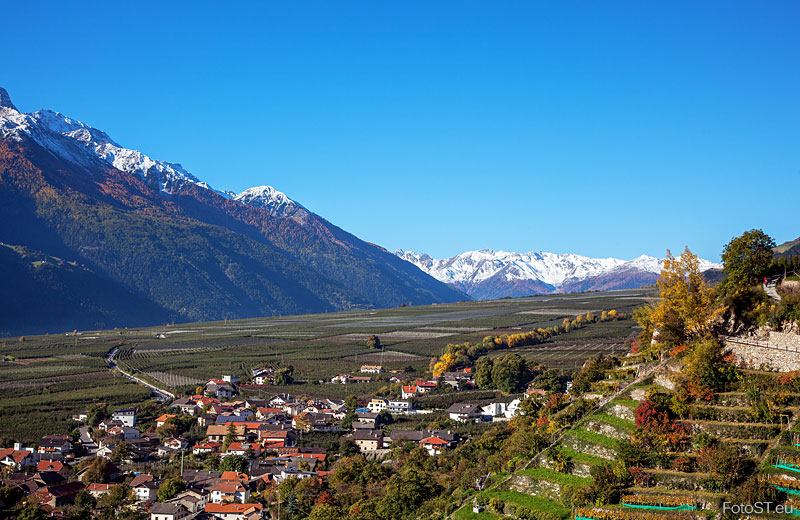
point(228, 488)
point(233, 476)
point(50, 465)
point(99, 487)
point(140, 479)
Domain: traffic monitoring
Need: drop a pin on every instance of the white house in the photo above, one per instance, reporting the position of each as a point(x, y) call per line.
point(377, 404)
point(229, 491)
point(464, 412)
point(168, 511)
point(145, 487)
point(399, 406)
point(233, 511)
point(127, 416)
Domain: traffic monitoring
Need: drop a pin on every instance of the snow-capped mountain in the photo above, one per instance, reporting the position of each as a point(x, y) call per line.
point(274, 201)
point(486, 274)
point(169, 246)
point(83, 145)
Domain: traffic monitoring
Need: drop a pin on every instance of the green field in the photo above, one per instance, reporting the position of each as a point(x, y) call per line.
point(51, 377)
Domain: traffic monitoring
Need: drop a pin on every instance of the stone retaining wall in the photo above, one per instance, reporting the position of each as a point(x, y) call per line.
point(784, 341)
point(790, 286)
point(781, 354)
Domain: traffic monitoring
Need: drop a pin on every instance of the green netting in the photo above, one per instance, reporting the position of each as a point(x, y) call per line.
point(685, 507)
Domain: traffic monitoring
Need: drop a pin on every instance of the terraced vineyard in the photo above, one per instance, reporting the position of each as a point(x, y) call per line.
point(671, 487)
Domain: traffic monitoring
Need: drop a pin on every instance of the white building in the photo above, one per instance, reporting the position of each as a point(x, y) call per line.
point(377, 404)
point(127, 416)
point(399, 406)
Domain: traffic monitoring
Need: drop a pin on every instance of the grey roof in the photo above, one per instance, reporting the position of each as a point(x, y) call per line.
point(367, 435)
point(465, 408)
point(167, 508)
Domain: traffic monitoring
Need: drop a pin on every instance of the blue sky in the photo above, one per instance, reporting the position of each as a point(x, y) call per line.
point(599, 128)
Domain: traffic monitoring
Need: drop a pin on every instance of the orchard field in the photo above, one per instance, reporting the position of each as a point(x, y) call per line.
point(49, 378)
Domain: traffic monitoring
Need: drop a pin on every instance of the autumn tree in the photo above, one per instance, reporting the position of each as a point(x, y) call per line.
point(685, 308)
point(706, 366)
point(374, 341)
point(746, 259)
point(724, 462)
point(650, 417)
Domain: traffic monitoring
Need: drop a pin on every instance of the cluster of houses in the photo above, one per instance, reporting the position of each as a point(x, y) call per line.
point(264, 432)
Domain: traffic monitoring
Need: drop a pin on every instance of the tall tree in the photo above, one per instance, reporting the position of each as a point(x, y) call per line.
point(685, 308)
point(230, 437)
point(509, 373)
point(483, 372)
point(170, 488)
point(284, 375)
point(747, 258)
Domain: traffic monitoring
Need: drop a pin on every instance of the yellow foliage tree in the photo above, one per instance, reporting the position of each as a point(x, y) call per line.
point(685, 309)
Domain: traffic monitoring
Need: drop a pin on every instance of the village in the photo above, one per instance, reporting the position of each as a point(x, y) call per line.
point(217, 454)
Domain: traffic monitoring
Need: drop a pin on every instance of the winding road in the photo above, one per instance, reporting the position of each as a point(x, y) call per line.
point(158, 392)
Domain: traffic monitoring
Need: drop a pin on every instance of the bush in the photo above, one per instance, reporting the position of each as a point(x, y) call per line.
point(497, 505)
point(788, 310)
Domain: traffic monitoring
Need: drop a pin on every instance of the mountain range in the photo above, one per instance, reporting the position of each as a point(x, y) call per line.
point(487, 274)
point(124, 239)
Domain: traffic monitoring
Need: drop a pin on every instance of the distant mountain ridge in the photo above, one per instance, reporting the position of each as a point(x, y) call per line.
point(163, 236)
point(486, 274)
point(788, 248)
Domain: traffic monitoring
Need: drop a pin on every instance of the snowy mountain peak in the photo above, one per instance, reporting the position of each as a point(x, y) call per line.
point(274, 201)
point(83, 145)
point(485, 271)
point(5, 100)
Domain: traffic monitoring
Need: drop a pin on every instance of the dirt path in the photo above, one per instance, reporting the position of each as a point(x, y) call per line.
point(771, 288)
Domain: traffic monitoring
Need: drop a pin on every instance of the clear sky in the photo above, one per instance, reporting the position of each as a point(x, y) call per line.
point(599, 128)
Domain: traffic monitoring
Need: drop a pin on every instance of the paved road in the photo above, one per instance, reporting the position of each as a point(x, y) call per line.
point(88, 443)
point(772, 288)
point(158, 392)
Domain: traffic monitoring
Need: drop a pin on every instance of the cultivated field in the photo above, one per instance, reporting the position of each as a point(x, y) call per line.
point(48, 378)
